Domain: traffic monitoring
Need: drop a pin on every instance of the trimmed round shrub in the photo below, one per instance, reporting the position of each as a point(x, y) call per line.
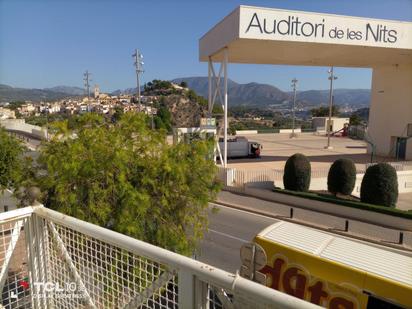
point(297, 173)
point(380, 185)
point(342, 177)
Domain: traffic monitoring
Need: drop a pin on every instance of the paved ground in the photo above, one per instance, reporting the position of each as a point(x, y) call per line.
point(277, 148)
point(229, 229)
point(404, 201)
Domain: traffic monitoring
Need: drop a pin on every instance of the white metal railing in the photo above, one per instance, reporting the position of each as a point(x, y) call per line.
point(50, 260)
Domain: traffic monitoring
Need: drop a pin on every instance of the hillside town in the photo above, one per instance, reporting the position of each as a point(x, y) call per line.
point(101, 103)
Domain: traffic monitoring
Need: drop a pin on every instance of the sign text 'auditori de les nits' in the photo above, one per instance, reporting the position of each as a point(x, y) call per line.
point(303, 26)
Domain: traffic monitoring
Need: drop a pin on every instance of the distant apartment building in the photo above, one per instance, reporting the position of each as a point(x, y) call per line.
point(27, 109)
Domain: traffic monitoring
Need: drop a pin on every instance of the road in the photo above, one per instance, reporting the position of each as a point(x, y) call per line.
point(228, 230)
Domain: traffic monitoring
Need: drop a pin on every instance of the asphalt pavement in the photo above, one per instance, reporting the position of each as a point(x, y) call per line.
point(228, 230)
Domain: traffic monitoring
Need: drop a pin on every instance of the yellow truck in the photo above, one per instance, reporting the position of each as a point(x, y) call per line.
point(329, 270)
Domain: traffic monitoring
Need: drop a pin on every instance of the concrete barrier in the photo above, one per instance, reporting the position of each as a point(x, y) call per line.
point(297, 130)
point(246, 132)
point(367, 216)
point(19, 125)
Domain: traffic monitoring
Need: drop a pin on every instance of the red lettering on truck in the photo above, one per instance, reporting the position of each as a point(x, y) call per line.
point(294, 280)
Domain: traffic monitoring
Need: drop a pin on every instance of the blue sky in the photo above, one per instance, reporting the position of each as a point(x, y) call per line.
point(45, 43)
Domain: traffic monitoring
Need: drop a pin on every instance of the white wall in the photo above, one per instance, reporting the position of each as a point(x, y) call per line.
point(391, 107)
point(7, 199)
point(20, 125)
point(320, 123)
point(246, 132)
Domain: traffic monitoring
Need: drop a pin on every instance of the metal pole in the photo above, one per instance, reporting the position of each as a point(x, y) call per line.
point(136, 53)
point(139, 69)
point(294, 82)
point(209, 76)
point(47, 124)
point(138, 89)
point(332, 77)
point(225, 109)
point(86, 83)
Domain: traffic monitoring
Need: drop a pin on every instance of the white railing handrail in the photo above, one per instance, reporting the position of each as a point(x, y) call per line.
point(201, 270)
point(18, 213)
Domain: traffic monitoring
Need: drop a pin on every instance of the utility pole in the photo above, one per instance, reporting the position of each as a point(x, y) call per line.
point(331, 78)
point(138, 63)
point(87, 79)
point(294, 84)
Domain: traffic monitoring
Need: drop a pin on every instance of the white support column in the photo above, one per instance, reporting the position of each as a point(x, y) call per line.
point(225, 56)
point(215, 91)
point(209, 75)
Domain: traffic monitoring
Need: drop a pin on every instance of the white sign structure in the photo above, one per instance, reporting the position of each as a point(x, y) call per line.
point(271, 24)
point(272, 36)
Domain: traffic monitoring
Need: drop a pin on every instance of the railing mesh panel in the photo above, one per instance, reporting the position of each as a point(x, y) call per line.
point(47, 262)
point(111, 276)
point(14, 269)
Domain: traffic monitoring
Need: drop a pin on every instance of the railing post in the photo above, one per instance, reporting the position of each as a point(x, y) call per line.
point(31, 258)
point(41, 264)
point(201, 294)
point(186, 284)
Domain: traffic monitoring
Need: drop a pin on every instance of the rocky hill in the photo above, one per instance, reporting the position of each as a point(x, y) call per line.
point(184, 106)
point(185, 112)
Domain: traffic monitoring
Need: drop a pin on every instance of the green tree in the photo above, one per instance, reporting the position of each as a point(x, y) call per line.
point(380, 185)
point(11, 161)
point(297, 173)
point(183, 84)
point(126, 177)
point(118, 113)
point(323, 111)
point(163, 119)
point(355, 119)
point(342, 176)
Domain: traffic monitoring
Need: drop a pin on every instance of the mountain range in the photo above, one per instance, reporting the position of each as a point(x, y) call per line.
point(256, 94)
point(251, 94)
point(8, 93)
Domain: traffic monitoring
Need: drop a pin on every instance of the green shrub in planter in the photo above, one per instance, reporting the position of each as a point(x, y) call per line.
point(380, 185)
point(297, 173)
point(342, 177)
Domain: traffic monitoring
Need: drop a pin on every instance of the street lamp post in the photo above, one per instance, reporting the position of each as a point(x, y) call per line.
point(331, 78)
point(294, 84)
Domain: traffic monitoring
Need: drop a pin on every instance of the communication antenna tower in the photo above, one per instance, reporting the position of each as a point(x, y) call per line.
point(87, 80)
point(138, 63)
